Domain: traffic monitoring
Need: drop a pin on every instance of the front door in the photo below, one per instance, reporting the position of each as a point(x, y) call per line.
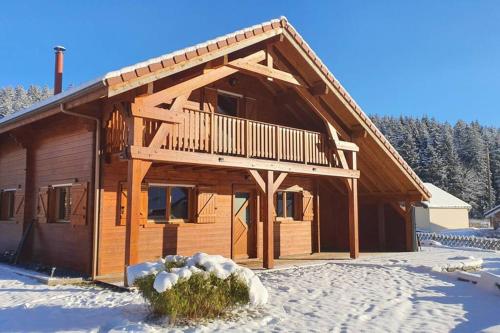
point(244, 224)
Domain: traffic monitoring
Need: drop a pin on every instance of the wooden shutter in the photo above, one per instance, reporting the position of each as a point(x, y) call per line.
point(307, 206)
point(121, 214)
point(79, 200)
point(42, 201)
point(144, 204)
point(19, 206)
point(206, 209)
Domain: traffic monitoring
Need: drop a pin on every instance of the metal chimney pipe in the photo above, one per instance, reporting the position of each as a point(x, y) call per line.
point(58, 74)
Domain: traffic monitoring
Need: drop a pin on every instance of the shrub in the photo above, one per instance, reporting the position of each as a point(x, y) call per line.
point(197, 287)
point(200, 296)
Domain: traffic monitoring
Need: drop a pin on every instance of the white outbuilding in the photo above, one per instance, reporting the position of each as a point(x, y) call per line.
point(442, 212)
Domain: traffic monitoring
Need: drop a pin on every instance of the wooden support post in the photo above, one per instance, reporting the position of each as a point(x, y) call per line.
point(381, 225)
point(409, 226)
point(136, 172)
point(268, 252)
point(316, 224)
point(133, 211)
point(353, 213)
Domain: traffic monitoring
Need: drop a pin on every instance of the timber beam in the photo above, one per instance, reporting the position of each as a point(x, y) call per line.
point(200, 80)
point(172, 156)
point(261, 70)
point(155, 113)
point(319, 89)
point(268, 186)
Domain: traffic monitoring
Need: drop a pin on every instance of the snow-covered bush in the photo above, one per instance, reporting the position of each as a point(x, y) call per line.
point(200, 286)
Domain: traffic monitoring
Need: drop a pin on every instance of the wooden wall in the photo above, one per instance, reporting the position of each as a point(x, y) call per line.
point(334, 224)
point(334, 232)
point(12, 175)
point(292, 237)
point(62, 152)
point(156, 240)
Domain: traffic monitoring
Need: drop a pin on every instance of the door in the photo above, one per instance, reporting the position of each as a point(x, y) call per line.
point(244, 224)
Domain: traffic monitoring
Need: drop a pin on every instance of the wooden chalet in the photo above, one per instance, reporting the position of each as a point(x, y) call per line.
point(244, 146)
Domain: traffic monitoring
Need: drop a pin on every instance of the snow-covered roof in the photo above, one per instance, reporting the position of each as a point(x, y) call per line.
point(492, 211)
point(52, 100)
point(442, 199)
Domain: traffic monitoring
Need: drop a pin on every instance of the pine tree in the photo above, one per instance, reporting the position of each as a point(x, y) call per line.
point(463, 160)
point(15, 99)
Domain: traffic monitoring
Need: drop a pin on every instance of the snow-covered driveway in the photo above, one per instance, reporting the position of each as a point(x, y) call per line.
point(387, 293)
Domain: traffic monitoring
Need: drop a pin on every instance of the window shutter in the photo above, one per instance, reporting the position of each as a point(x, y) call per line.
point(43, 194)
point(206, 209)
point(307, 206)
point(79, 199)
point(122, 204)
point(19, 206)
point(144, 205)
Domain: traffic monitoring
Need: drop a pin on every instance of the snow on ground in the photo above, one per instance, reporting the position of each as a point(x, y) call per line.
point(390, 292)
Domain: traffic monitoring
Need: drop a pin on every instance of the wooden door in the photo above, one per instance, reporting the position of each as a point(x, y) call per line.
point(244, 224)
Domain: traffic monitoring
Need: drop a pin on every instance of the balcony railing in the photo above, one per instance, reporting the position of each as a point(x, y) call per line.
point(214, 133)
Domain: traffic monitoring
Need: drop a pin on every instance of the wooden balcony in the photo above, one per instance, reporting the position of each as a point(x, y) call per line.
point(212, 133)
point(201, 137)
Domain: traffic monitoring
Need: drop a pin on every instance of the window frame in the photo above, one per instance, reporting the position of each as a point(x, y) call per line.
point(168, 188)
point(11, 208)
point(229, 94)
point(53, 198)
point(285, 216)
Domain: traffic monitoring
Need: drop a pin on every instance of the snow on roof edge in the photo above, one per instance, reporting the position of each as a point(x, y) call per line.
point(51, 100)
point(492, 211)
point(442, 199)
point(150, 61)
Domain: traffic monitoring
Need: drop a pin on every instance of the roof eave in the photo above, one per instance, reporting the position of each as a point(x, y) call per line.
point(52, 102)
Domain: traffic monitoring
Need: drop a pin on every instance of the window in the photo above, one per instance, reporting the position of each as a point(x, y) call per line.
point(179, 203)
point(60, 204)
point(7, 198)
point(285, 204)
point(168, 203)
point(227, 105)
point(157, 203)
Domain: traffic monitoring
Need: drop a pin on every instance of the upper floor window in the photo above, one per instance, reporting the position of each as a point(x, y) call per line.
point(7, 198)
point(227, 104)
point(285, 204)
point(168, 203)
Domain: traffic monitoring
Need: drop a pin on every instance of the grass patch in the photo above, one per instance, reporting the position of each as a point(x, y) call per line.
point(202, 296)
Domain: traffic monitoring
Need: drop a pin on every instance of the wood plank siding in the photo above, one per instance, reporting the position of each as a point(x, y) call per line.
point(160, 239)
point(63, 153)
point(12, 176)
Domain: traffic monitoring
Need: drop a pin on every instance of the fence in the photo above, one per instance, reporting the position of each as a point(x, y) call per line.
point(461, 241)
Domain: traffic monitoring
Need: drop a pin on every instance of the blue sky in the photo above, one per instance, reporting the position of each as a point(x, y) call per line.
point(421, 57)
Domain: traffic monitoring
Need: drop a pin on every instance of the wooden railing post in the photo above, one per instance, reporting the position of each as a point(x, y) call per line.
point(248, 138)
point(306, 146)
point(278, 142)
point(212, 127)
